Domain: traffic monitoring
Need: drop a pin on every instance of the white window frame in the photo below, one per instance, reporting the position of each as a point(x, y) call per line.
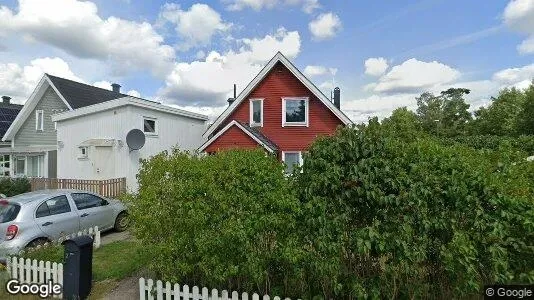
point(252, 124)
point(301, 161)
point(156, 127)
point(39, 127)
point(15, 168)
point(306, 123)
point(82, 155)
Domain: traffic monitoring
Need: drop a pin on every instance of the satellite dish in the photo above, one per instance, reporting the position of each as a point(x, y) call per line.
point(135, 139)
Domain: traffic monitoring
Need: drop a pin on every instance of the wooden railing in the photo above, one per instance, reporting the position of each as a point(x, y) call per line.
point(110, 188)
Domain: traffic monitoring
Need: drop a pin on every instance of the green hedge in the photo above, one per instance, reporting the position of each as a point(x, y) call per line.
point(14, 186)
point(371, 215)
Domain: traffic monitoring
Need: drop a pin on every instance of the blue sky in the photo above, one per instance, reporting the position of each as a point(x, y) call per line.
point(188, 53)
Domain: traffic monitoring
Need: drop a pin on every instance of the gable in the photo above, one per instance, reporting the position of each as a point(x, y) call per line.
point(278, 58)
point(50, 103)
point(233, 137)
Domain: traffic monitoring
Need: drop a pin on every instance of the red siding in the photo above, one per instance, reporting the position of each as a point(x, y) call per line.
point(279, 83)
point(232, 138)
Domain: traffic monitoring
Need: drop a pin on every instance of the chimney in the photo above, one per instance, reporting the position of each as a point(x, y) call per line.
point(337, 97)
point(6, 99)
point(116, 87)
point(231, 100)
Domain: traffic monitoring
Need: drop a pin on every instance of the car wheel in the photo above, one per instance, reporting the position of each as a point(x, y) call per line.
point(37, 242)
point(122, 222)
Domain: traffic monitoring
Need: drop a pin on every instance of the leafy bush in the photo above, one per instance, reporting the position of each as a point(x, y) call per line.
point(390, 218)
point(14, 186)
point(493, 142)
point(222, 221)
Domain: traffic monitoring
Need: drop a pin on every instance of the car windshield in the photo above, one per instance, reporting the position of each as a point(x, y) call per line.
point(8, 211)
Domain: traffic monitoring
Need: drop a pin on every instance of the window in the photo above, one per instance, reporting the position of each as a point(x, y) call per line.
point(5, 163)
point(85, 201)
point(83, 152)
point(55, 206)
point(20, 165)
point(8, 211)
point(150, 126)
point(39, 120)
point(295, 111)
point(256, 112)
point(292, 159)
point(34, 166)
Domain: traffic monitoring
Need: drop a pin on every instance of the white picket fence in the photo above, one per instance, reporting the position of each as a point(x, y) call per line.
point(93, 231)
point(168, 291)
point(33, 271)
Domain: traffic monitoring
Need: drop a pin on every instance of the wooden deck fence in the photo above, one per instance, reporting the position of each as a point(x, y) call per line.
point(110, 188)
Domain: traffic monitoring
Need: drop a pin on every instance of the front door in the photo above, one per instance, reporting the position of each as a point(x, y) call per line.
point(104, 164)
point(56, 218)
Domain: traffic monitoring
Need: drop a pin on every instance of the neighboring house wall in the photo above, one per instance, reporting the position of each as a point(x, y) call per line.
point(232, 138)
point(118, 161)
point(279, 83)
point(27, 135)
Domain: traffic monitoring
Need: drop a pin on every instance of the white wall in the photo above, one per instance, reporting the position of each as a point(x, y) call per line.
point(173, 130)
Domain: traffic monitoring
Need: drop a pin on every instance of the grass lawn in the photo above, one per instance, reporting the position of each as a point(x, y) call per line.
point(111, 263)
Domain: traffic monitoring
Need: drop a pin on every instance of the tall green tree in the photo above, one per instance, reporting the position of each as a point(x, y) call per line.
point(525, 120)
point(404, 123)
point(501, 116)
point(446, 114)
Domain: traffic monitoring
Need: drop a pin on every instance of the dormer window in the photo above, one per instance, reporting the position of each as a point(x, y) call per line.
point(295, 111)
point(256, 112)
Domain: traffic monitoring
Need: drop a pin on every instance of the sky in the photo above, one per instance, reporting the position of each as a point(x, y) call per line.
point(188, 54)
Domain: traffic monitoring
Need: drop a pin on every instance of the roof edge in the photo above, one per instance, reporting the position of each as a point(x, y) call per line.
point(228, 126)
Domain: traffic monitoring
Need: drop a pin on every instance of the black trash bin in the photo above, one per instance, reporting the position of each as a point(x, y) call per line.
point(77, 270)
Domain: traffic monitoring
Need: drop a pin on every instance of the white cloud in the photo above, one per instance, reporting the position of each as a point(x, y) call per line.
point(75, 27)
point(103, 85)
point(312, 71)
point(325, 26)
point(134, 93)
point(19, 81)
point(514, 75)
point(195, 26)
point(308, 6)
point(519, 15)
point(376, 66)
point(414, 75)
point(208, 83)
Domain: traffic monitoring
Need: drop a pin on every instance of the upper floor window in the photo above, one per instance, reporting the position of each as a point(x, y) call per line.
point(39, 120)
point(295, 111)
point(150, 126)
point(256, 112)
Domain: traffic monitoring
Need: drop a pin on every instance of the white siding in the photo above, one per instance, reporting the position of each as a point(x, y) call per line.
point(173, 130)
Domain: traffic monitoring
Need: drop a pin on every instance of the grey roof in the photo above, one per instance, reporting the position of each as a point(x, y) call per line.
point(8, 113)
point(260, 136)
point(80, 95)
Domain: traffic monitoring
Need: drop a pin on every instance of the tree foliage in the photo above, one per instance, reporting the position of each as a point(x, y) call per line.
point(413, 219)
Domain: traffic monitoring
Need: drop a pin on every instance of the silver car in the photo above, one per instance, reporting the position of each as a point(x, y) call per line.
point(30, 219)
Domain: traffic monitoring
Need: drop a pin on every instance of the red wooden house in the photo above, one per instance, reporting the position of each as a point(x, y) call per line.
point(280, 110)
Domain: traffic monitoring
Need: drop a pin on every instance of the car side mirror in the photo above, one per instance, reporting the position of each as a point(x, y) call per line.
point(104, 202)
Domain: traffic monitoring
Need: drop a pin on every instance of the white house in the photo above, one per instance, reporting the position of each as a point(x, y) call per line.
point(92, 140)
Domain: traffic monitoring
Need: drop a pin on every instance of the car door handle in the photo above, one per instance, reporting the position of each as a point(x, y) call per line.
point(84, 215)
point(47, 223)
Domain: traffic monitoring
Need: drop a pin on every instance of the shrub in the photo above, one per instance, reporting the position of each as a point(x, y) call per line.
point(223, 221)
point(14, 186)
point(389, 218)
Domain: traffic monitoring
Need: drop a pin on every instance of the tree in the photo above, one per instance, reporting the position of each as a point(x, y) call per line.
point(525, 122)
point(430, 112)
point(456, 113)
point(446, 114)
point(404, 122)
point(501, 116)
